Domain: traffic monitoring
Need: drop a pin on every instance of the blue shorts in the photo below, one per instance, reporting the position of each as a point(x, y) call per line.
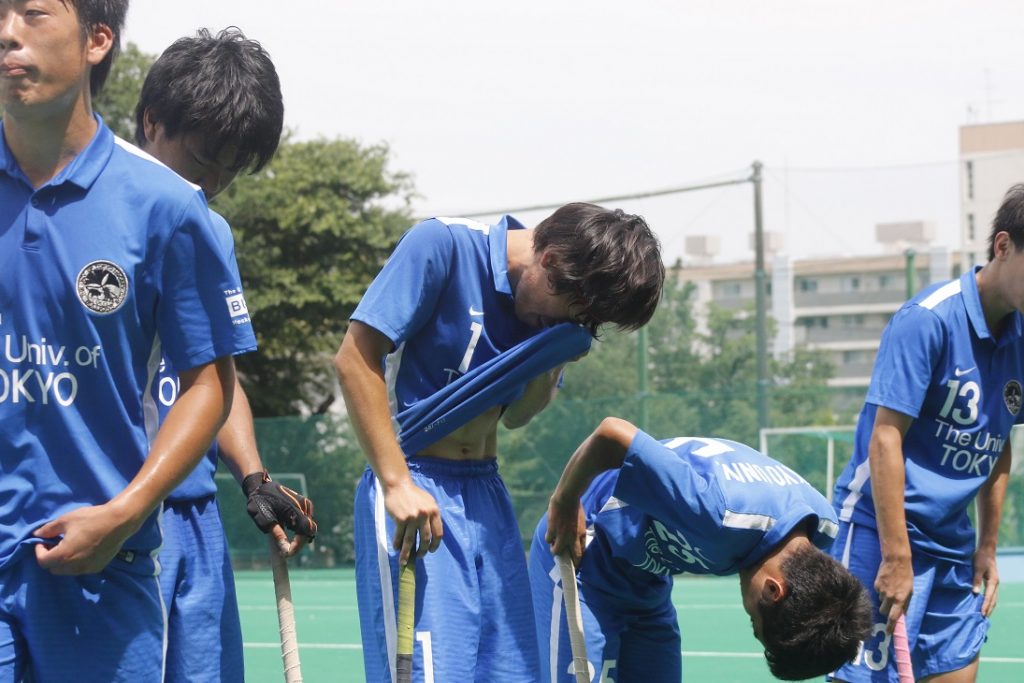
point(204, 634)
point(474, 620)
point(93, 628)
point(625, 642)
point(945, 628)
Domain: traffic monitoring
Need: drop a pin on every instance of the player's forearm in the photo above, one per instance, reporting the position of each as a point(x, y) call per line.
point(236, 440)
point(366, 399)
point(183, 438)
point(990, 502)
point(536, 396)
point(605, 449)
point(888, 479)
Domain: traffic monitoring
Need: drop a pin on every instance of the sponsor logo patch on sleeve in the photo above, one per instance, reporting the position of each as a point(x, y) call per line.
point(236, 305)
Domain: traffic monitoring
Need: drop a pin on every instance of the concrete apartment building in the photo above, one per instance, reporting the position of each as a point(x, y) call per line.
point(841, 305)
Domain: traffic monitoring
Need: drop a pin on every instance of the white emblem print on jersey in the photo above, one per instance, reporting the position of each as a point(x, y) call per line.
point(102, 286)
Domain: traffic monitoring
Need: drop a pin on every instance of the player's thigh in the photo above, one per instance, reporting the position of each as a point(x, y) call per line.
point(857, 547)
point(951, 628)
point(650, 651)
point(13, 654)
point(508, 645)
point(447, 602)
point(601, 626)
point(204, 631)
point(968, 674)
point(108, 627)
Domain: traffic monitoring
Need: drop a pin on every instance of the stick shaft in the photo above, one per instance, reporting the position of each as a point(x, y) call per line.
point(285, 615)
point(901, 645)
point(574, 618)
point(406, 620)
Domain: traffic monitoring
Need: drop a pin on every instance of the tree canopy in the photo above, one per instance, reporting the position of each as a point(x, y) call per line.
point(311, 230)
point(116, 102)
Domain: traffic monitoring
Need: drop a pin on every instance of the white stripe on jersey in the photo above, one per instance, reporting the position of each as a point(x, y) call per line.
point(468, 222)
point(612, 503)
point(846, 548)
point(856, 485)
point(941, 294)
point(742, 520)
point(135, 151)
point(150, 410)
point(828, 527)
point(392, 363)
point(386, 586)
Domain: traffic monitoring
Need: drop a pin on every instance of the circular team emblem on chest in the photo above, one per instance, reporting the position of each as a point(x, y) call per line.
point(1012, 396)
point(102, 287)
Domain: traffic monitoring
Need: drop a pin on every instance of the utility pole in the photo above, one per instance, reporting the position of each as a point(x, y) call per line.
point(911, 272)
point(641, 375)
point(760, 302)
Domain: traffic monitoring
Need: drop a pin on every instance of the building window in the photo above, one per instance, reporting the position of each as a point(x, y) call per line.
point(730, 289)
point(808, 285)
point(815, 321)
point(969, 172)
point(851, 284)
point(970, 228)
point(884, 282)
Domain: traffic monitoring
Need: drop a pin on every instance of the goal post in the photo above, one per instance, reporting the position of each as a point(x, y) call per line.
point(829, 434)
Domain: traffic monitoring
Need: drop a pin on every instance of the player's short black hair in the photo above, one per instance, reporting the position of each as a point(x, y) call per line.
point(819, 623)
point(109, 13)
point(223, 88)
point(1009, 219)
point(606, 260)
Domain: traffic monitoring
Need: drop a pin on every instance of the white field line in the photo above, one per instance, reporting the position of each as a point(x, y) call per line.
point(686, 653)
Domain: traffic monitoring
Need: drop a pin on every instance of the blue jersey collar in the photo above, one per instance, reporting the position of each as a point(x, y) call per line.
point(972, 302)
point(498, 236)
point(83, 169)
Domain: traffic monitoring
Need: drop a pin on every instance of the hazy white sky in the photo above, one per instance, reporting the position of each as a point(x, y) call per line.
point(853, 107)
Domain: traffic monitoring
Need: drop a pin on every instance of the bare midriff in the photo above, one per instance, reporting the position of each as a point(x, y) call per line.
point(475, 440)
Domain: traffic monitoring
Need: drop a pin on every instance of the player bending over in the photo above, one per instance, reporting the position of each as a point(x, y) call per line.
point(210, 108)
point(933, 434)
point(106, 256)
point(454, 294)
point(639, 510)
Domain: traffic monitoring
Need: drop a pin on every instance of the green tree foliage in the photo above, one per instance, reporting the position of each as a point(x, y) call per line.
point(311, 231)
point(116, 102)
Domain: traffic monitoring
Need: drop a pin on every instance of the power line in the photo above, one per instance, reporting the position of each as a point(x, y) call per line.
point(615, 198)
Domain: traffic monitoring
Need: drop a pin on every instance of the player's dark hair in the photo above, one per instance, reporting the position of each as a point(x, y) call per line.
point(222, 88)
point(821, 620)
point(1009, 219)
point(109, 13)
point(607, 261)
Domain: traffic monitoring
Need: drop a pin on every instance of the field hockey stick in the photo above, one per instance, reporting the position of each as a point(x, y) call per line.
point(574, 618)
point(901, 645)
point(285, 614)
point(406, 620)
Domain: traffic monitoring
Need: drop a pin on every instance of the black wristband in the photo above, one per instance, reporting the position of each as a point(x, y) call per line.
point(251, 482)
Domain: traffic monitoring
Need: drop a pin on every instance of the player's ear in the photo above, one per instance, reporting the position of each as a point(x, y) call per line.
point(1001, 244)
point(149, 126)
point(548, 259)
point(773, 590)
point(99, 42)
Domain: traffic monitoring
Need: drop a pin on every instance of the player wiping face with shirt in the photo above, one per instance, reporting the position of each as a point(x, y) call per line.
point(455, 295)
point(634, 511)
